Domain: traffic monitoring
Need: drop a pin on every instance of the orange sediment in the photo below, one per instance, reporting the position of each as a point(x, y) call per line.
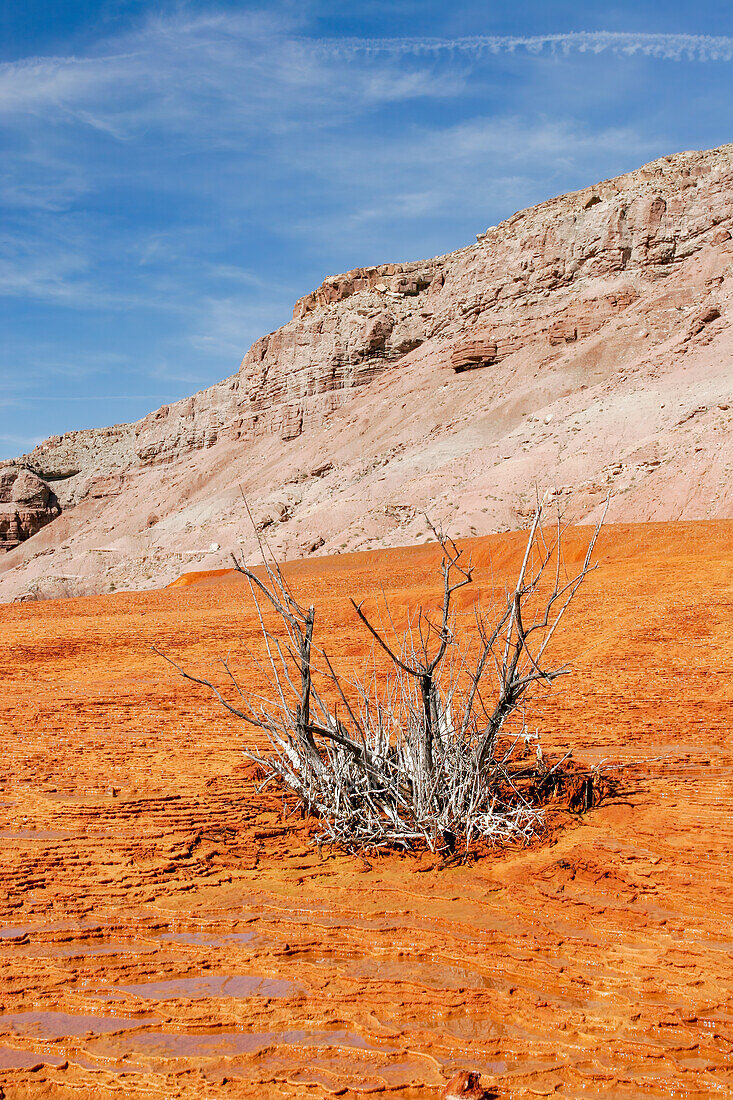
point(165, 933)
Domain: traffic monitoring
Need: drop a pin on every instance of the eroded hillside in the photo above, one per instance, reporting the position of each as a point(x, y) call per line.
point(583, 345)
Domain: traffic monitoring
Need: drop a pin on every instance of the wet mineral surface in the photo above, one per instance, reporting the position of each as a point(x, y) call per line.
point(166, 932)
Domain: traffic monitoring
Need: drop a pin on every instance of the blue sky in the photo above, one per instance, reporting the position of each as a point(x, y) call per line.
point(174, 176)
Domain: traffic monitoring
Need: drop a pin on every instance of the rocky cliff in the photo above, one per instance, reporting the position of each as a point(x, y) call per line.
point(581, 344)
point(26, 505)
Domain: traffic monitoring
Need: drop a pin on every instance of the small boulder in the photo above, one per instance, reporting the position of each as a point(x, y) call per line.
point(465, 1086)
point(474, 353)
point(30, 490)
point(704, 317)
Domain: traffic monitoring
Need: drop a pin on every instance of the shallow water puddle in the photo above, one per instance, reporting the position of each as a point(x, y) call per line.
point(10, 1058)
point(13, 933)
point(36, 834)
point(38, 942)
point(365, 1071)
point(205, 939)
point(66, 1025)
point(227, 1044)
point(83, 928)
point(240, 985)
point(81, 949)
point(435, 975)
point(401, 968)
point(106, 1065)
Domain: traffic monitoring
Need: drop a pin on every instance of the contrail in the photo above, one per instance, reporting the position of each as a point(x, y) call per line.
point(667, 47)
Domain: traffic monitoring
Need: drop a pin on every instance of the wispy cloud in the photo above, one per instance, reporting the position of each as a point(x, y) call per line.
point(667, 47)
point(483, 165)
point(19, 443)
point(188, 127)
point(182, 68)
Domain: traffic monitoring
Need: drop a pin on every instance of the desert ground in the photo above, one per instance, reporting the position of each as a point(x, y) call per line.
point(166, 932)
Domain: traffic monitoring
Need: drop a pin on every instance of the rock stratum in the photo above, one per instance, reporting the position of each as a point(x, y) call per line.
point(581, 346)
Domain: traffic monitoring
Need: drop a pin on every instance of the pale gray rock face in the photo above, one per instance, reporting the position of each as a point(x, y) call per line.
point(566, 344)
point(70, 462)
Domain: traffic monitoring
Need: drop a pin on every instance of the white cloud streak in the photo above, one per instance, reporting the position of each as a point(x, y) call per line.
point(666, 47)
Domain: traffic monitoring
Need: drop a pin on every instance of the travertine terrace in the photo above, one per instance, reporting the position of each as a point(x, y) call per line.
point(582, 345)
point(166, 934)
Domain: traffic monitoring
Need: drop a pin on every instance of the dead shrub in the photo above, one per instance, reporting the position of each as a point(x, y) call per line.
point(429, 745)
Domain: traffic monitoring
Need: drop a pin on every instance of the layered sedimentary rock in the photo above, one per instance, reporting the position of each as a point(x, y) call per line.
point(289, 379)
point(603, 313)
point(473, 354)
point(72, 462)
point(26, 505)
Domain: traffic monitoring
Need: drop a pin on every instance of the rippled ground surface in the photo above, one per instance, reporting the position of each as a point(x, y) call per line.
point(163, 933)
